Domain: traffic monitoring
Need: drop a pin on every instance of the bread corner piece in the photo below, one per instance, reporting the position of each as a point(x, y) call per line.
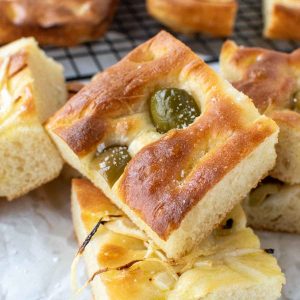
point(271, 79)
point(229, 264)
point(31, 89)
point(213, 17)
point(178, 186)
point(281, 19)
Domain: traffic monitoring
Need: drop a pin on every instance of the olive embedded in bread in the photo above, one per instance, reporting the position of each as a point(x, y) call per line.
point(172, 108)
point(111, 162)
point(295, 102)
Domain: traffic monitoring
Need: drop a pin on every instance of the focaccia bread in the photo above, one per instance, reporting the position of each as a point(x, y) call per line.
point(32, 88)
point(228, 265)
point(55, 22)
point(214, 17)
point(164, 136)
point(282, 19)
point(274, 205)
point(272, 80)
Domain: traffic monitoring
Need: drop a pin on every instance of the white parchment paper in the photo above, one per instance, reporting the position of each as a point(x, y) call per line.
point(38, 245)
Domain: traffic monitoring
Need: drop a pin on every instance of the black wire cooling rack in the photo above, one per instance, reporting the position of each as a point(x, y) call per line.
point(132, 26)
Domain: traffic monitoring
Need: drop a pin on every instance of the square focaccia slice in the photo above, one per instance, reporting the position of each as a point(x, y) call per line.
point(272, 80)
point(207, 16)
point(32, 88)
point(282, 19)
point(229, 264)
point(171, 143)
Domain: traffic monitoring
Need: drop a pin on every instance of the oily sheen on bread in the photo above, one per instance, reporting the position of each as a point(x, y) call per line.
point(31, 89)
point(228, 265)
point(55, 22)
point(271, 79)
point(282, 19)
point(274, 205)
point(172, 181)
point(208, 16)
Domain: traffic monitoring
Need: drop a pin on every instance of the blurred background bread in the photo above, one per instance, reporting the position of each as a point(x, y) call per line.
point(55, 22)
point(282, 19)
point(190, 16)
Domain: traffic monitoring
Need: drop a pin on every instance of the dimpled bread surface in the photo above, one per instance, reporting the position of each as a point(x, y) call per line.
point(171, 187)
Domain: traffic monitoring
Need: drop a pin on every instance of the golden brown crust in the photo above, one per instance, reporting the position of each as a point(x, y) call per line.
point(86, 118)
point(159, 195)
point(90, 198)
point(268, 77)
point(52, 22)
point(23, 102)
point(73, 88)
point(17, 62)
point(208, 16)
point(283, 21)
point(195, 159)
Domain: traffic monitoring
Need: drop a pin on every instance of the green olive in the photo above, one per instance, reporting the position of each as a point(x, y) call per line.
point(295, 102)
point(111, 162)
point(258, 195)
point(172, 108)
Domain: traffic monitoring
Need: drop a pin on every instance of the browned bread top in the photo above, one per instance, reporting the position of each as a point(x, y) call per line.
point(166, 178)
point(53, 22)
point(209, 16)
point(271, 79)
point(49, 13)
point(268, 77)
point(282, 18)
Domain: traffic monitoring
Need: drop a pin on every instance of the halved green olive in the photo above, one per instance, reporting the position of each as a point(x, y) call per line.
point(111, 162)
point(295, 102)
point(172, 108)
point(258, 195)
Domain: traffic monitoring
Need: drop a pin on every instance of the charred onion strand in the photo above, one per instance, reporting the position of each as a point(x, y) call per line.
point(120, 268)
point(82, 248)
point(94, 230)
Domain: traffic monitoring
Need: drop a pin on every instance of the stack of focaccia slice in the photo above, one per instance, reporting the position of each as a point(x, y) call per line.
point(176, 148)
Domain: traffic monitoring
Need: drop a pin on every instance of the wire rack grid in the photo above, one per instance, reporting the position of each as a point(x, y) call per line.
point(132, 25)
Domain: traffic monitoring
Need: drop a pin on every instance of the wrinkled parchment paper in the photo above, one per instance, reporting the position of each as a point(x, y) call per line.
point(38, 245)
